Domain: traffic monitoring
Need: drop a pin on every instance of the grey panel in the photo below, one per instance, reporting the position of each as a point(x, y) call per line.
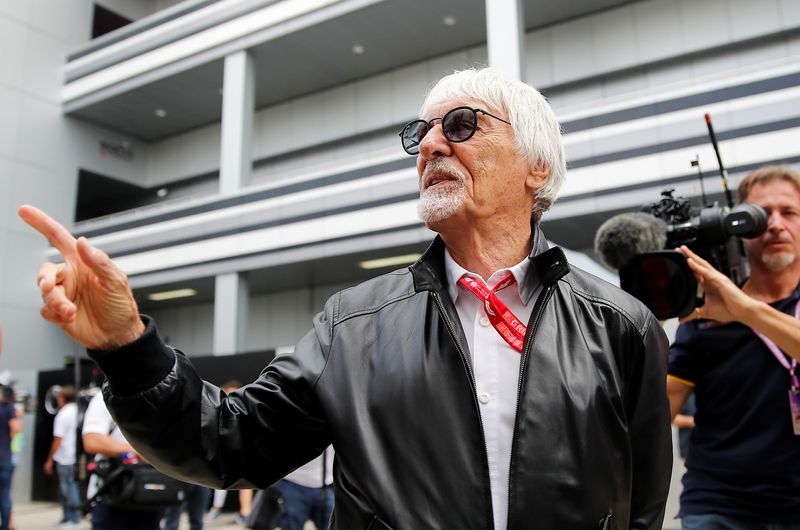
point(789, 13)
point(41, 125)
point(70, 22)
point(706, 23)
point(750, 19)
point(20, 11)
point(617, 85)
point(538, 69)
point(614, 36)
point(49, 189)
point(13, 36)
point(540, 13)
point(10, 117)
point(658, 23)
point(42, 72)
point(570, 44)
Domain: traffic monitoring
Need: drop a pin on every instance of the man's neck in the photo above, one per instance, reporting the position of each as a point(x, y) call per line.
point(770, 286)
point(486, 251)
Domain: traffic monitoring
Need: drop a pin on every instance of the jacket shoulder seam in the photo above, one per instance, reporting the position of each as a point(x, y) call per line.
point(375, 309)
point(641, 330)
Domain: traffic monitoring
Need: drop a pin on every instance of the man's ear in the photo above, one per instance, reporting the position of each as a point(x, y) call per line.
point(537, 175)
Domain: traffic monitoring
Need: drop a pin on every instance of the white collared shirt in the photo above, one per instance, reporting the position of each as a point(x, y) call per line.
point(97, 419)
point(495, 365)
point(310, 474)
point(65, 426)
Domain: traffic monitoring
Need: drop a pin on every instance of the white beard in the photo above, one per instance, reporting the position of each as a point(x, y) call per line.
point(778, 261)
point(437, 203)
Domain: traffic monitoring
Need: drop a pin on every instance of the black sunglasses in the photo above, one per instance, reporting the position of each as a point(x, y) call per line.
point(458, 125)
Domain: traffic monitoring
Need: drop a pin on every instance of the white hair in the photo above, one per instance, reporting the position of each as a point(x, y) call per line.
point(536, 131)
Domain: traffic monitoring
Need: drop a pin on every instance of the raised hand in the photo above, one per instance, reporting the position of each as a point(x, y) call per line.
point(87, 295)
point(724, 301)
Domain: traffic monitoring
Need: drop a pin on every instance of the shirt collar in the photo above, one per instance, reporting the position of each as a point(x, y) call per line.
point(523, 272)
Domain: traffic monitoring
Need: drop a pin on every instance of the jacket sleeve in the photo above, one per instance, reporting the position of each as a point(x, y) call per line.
point(650, 431)
point(194, 431)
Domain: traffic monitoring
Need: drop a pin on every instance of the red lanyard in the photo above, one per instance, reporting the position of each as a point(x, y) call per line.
point(507, 325)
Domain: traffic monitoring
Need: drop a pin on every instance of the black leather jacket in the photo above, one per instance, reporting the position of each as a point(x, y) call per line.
point(384, 376)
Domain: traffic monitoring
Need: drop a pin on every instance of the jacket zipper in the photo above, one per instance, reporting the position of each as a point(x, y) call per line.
point(537, 314)
point(471, 375)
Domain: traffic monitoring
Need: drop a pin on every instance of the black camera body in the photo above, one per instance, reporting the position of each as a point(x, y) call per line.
point(662, 280)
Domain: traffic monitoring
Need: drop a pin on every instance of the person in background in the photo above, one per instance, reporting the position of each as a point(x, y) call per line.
point(194, 503)
point(245, 496)
point(217, 504)
point(307, 494)
point(684, 421)
point(10, 425)
point(738, 355)
point(245, 507)
point(102, 437)
point(62, 456)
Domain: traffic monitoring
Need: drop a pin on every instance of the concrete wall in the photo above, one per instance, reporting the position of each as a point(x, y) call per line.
point(638, 49)
point(38, 162)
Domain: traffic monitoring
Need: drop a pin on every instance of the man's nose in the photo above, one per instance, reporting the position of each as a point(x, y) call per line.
point(774, 221)
point(434, 144)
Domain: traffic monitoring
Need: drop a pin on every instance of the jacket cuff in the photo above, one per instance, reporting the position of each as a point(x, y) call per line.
point(137, 366)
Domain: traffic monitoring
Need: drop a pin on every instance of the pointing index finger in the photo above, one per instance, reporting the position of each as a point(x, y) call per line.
point(56, 234)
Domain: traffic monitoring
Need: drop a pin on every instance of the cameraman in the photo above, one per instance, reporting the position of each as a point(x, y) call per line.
point(737, 353)
point(102, 437)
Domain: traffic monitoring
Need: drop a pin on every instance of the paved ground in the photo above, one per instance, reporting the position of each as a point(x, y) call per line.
point(45, 516)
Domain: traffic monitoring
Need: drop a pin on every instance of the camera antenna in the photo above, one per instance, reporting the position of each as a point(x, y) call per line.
point(696, 163)
point(722, 171)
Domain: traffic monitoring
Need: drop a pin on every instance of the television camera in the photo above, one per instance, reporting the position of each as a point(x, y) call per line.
point(641, 245)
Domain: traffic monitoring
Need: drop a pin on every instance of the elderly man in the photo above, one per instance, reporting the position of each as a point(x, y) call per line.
point(488, 385)
point(743, 468)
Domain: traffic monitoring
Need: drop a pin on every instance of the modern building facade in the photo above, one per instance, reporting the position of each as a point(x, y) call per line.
point(247, 150)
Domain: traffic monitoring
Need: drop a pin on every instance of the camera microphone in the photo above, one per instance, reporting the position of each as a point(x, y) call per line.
point(633, 243)
point(629, 234)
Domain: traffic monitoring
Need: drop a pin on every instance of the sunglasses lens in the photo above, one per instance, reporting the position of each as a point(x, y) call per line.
point(459, 124)
point(412, 136)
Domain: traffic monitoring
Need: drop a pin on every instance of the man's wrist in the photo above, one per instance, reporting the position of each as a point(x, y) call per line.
point(753, 311)
point(132, 336)
point(138, 365)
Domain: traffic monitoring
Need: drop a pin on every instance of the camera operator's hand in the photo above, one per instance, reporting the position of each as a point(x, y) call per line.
point(724, 301)
point(87, 295)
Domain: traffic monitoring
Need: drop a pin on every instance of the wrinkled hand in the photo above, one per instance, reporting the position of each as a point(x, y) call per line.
point(724, 301)
point(87, 295)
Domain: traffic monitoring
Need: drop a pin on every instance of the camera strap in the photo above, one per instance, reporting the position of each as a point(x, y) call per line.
point(504, 321)
point(794, 390)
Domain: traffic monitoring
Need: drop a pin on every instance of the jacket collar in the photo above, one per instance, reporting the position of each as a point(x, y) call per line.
point(429, 272)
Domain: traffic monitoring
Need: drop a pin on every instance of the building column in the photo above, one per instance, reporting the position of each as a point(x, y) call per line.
point(238, 106)
point(505, 36)
point(231, 301)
